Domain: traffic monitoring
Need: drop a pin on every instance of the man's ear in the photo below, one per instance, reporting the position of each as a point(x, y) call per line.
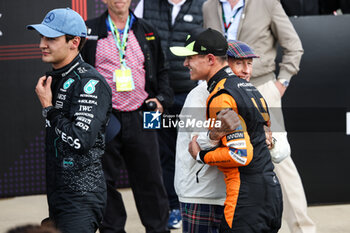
point(211, 59)
point(75, 42)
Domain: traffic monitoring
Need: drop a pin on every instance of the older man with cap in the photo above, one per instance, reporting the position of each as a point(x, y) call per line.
point(253, 194)
point(76, 103)
point(240, 60)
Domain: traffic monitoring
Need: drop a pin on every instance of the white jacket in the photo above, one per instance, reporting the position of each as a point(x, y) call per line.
point(210, 188)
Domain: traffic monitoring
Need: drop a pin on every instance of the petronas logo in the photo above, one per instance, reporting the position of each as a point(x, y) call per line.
point(89, 88)
point(203, 48)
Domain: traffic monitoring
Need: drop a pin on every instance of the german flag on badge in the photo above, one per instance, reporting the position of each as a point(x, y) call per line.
point(150, 36)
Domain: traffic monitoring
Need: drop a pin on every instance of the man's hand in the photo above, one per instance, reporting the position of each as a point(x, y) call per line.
point(159, 105)
point(194, 147)
point(269, 141)
point(280, 88)
point(229, 122)
point(43, 91)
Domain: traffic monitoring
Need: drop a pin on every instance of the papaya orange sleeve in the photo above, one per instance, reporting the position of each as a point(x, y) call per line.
point(236, 149)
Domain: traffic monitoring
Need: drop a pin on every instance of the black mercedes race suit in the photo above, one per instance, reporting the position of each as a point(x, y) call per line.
point(75, 127)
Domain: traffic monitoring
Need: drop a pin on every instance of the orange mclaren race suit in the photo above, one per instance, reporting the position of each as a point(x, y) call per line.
point(254, 199)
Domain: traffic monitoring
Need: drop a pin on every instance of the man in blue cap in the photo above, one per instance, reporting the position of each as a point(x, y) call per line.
point(76, 103)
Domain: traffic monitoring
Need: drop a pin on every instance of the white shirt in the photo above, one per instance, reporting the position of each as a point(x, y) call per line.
point(229, 13)
point(176, 9)
point(210, 188)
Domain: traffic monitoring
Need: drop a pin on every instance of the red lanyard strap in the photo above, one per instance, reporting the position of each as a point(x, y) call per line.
point(227, 26)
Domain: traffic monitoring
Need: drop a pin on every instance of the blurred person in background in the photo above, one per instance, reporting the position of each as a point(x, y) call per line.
point(174, 20)
point(331, 6)
point(300, 8)
point(126, 50)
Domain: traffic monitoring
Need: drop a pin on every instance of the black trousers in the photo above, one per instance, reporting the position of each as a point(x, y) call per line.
point(138, 149)
point(77, 213)
point(259, 206)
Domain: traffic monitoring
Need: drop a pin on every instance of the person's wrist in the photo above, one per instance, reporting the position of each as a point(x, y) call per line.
point(46, 110)
point(47, 105)
point(212, 135)
point(284, 82)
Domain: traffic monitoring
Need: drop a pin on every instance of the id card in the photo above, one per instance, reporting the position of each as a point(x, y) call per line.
point(123, 79)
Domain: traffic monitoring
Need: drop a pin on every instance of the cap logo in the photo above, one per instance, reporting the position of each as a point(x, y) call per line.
point(49, 18)
point(203, 48)
point(190, 45)
point(188, 37)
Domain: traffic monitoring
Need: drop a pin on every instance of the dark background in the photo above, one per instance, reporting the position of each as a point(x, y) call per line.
point(315, 104)
point(315, 107)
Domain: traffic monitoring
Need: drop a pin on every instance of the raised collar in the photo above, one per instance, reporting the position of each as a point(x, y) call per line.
point(224, 72)
point(64, 71)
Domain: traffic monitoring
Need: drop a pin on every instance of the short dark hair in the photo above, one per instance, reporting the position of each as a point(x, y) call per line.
point(82, 41)
point(222, 58)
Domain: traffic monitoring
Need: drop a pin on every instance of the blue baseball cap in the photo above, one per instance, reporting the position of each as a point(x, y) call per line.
point(59, 22)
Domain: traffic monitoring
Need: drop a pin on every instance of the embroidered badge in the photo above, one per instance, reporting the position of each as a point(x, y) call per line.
point(89, 88)
point(67, 84)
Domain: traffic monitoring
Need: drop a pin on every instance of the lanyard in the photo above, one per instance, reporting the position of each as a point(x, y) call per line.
point(227, 26)
point(121, 44)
